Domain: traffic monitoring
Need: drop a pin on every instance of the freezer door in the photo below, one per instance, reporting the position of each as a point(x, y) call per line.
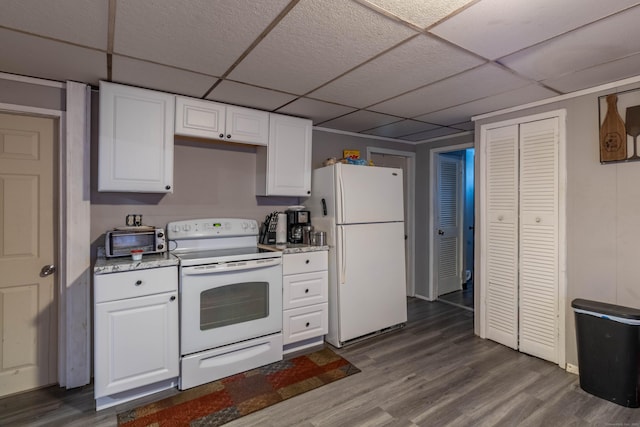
point(370, 278)
point(368, 194)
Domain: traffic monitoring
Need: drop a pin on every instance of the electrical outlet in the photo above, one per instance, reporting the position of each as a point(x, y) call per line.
point(130, 221)
point(137, 220)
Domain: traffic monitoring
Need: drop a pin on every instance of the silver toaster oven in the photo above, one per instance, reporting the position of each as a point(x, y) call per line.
point(120, 242)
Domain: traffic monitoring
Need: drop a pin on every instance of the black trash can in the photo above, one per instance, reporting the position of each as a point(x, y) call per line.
point(608, 338)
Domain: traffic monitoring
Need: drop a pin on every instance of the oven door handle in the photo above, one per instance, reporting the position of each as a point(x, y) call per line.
point(231, 266)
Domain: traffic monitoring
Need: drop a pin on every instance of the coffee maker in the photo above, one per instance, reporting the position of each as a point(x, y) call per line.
point(296, 220)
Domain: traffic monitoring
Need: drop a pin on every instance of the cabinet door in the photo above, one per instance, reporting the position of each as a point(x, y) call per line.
point(247, 125)
point(203, 119)
point(289, 156)
point(136, 342)
point(136, 139)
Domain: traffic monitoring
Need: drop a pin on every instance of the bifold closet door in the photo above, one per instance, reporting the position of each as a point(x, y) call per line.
point(538, 239)
point(521, 296)
point(501, 294)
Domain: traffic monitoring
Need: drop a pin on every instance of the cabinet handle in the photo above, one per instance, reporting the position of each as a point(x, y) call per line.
point(222, 135)
point(167, 187)
point(306, 291)
point(138, 282)
point(307, 324)
point(309, 192)
point(306, 262)
point(173, 298)
point(228, 136)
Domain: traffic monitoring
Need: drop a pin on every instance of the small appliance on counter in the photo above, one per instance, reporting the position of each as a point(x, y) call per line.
point(121, 241)
point(297, 218)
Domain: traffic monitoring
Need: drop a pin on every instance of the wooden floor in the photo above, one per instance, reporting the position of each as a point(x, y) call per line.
point(434, 372)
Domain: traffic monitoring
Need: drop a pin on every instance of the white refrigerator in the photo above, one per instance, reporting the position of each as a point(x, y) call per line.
point(361, 209)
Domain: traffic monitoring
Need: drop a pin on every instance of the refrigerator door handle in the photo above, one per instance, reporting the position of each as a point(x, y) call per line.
point(343, 258)
point(340, 198)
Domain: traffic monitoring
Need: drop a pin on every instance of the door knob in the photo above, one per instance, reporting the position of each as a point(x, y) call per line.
point(47, 270)
point(440, 232)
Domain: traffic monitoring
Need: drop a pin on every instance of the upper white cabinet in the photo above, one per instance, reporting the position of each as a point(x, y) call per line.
point(284, 166)
point(207, 119)
point(136, 139)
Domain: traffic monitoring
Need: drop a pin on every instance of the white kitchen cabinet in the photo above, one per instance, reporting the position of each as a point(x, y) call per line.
point(305, 300)
point(135, 139)
point(136, 349)
point(283, 168)
point(212, 120)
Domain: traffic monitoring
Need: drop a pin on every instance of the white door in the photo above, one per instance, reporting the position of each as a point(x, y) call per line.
point(371, 278)
point(448, 222)
point(28, 315)
point(522, 238)
point(538, 280)
point(501, 285)
point(368, 194)
point(247, 125)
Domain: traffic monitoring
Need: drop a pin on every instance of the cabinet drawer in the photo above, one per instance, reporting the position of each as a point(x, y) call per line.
point(305, 262)
point(304, 323)
point(300, 290)
point(130, 284)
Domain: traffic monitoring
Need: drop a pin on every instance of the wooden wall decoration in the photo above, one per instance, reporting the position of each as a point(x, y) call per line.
point(619, 126)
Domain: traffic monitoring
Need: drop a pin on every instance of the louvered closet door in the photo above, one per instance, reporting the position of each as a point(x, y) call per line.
point(501, 297)
point(538, 281)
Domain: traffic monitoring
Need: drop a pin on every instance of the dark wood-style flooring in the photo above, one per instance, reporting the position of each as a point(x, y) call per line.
point(434, 372)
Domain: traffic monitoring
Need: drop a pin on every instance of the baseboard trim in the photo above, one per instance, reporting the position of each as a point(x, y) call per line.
point(572, 369)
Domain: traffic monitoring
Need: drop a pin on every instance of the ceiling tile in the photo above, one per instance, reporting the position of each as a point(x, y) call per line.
point(359, 121)
point(34, 56)
point(77, 21)
point(594, 76)
point(317, 41)
point(318, 111)
point(495, 28)
point(249, 96)
point(204, 36)
point(160, 77)
point(465, 125)
point(398, 129)
point(480, 82)
point(419, 12)
point(417, 62)
point(463, 112)
point(610, 39)
point(422, 136)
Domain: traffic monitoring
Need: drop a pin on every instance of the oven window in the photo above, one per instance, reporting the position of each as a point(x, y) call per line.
point(235, 303)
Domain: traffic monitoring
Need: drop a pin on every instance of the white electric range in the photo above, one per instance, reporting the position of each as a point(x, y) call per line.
point(230, 298)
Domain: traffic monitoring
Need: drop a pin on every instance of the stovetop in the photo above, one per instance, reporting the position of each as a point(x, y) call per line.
point(216, 240)
point(214, 256)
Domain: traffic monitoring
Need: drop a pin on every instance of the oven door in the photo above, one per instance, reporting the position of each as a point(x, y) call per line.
point(229, 302)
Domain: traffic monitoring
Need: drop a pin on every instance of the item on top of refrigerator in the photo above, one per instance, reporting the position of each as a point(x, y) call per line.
point(330, 161)
point(361, 162)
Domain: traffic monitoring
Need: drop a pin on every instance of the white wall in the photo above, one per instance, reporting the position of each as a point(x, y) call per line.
point(603, 214)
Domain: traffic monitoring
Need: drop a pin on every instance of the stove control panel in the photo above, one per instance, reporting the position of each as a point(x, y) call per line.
point(211, 228)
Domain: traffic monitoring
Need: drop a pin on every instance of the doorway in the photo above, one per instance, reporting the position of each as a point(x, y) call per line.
point(452, 230)
point(404, 160)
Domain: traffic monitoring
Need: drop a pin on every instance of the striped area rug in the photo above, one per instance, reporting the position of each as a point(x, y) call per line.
point(221, 401)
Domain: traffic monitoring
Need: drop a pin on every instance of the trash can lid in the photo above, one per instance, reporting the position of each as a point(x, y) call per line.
point(606, 309)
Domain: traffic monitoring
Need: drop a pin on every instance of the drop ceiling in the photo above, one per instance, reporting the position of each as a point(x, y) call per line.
point(410, 70)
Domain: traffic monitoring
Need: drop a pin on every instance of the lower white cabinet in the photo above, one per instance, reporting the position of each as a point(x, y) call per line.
point(305, 301)
point(136, 334)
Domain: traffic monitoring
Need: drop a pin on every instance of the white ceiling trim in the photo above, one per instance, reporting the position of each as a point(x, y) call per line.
point(32, 80)
point(365, 136)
